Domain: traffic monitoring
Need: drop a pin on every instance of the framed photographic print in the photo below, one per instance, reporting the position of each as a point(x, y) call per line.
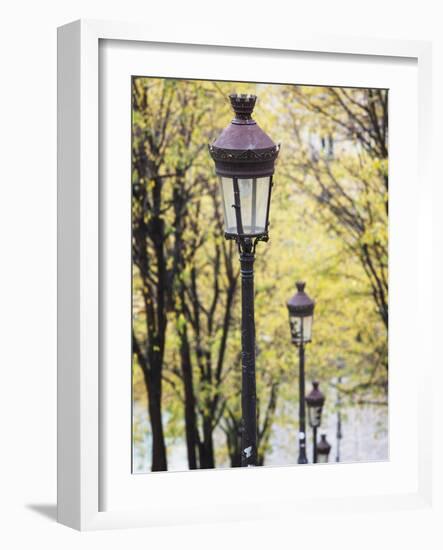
point(241, 258)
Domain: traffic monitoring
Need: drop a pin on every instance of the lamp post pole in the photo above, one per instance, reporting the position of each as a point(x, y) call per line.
point(301, 312)
point(244, 157)
point(314, 444)
point(302, 459)
point(339, 433)
point(249, 399)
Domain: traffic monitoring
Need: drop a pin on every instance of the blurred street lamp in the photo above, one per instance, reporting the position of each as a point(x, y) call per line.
point(301, 313)
point(244, 159)
point(339, 432)
point(315, 401)
point(323, 450)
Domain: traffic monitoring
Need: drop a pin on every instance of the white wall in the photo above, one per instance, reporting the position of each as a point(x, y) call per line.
point(28, 246)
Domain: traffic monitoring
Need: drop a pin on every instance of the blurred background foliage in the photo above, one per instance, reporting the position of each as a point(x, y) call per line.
point(328, 226)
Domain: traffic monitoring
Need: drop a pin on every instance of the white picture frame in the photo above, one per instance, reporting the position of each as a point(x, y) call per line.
point(80, 413)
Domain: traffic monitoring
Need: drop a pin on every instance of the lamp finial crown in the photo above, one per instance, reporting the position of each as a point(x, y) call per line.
point(243, 105)
point(300, 286)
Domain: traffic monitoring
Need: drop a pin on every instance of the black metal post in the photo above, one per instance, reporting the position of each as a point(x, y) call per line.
point(339, 434)
point(302, 459)
point(314, 444)
point(249, 406)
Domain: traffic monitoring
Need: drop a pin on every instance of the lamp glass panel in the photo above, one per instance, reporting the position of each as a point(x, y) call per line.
point(314, 416)
point(254, 194)
point(295, 325)
point(322, 458)
point(299, 326)
point(307, 328)
point(263, 190)
point(227, 190)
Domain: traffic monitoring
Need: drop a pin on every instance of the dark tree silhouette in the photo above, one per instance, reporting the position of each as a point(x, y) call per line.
point(199, 320)
point(167, 116)
point(168, 185)
point(149, 252)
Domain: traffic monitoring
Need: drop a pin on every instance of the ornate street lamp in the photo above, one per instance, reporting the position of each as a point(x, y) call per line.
point(301, 313)
point(315, 401)
point(244, 159)
point(323, 450)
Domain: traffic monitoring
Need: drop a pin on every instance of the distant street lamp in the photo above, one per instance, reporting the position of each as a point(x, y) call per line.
point(244, 159)
point(315, 401)
point(323, 450)
point(339, 432)
point(301, 313)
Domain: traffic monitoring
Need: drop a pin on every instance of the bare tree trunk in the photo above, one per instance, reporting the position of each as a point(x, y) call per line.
point(158, 458)
point(206, 448)
point(264, 431)
point(190, 414)
point(233, 441)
